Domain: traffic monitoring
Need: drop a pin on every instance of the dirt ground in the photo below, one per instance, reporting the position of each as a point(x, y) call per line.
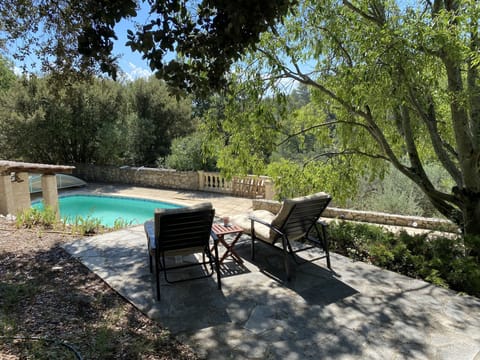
point(52, 307)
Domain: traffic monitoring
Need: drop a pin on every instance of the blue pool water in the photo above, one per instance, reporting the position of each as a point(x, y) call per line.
point(108, 208)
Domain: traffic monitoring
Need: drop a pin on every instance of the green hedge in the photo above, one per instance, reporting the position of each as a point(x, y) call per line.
point(452, 262)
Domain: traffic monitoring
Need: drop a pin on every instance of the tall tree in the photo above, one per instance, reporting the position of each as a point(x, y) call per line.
point(156, 117)
point(7, 77)
point(83, 118)
point(402, 82)
point(97, 121)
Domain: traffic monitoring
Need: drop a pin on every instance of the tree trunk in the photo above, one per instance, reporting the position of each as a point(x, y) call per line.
point(471, 213)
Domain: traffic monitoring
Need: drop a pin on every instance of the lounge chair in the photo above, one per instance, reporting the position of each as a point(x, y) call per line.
point(178, 232)
point(298, 219)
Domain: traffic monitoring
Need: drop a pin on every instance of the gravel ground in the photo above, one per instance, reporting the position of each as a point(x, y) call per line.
point(52, 307)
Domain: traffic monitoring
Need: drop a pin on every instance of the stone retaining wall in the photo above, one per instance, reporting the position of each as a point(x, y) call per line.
point(149, 177)
point(370, 217)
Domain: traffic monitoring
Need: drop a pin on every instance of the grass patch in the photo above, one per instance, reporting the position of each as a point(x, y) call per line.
point(46, 218)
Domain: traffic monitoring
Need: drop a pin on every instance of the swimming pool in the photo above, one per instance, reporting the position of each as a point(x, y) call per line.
point(108, 208)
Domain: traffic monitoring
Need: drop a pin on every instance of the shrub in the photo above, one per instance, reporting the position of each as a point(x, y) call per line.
point(349, 239)
point(85, 225)
point(187, 154)
point(394, 193)
point(47, 218)
point(28, 218)
point(452, 262)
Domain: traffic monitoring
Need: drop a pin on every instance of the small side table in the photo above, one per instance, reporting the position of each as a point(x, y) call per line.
point(221, 231)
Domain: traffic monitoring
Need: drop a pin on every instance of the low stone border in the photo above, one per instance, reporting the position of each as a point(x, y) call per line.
point(370, 217)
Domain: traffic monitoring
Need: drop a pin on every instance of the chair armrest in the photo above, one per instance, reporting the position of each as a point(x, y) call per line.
point(149, 228)
point(263, 222)
point(323, 223)
point(253, 218)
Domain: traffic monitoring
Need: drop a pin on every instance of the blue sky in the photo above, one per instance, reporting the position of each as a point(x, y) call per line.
point(131, 63)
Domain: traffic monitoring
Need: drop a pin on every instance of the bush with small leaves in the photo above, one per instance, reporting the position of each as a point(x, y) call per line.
point(452, 262)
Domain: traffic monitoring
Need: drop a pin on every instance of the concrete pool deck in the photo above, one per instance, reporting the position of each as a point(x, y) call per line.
point(224, 205)
point(358, 311)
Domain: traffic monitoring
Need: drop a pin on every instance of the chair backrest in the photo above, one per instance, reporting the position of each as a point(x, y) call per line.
point(183, 228)
point(297, 216)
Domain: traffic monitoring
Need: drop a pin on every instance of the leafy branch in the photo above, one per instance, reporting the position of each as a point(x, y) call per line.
point(318, 126)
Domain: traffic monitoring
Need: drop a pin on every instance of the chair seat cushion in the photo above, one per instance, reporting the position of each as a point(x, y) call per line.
point(261, 231)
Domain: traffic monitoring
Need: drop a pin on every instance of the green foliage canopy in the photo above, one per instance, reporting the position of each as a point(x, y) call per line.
point(156, 117)
point(73, 36)
point(7, 77)
point(95, 121)
point(206, 36)
point(401, 83)
point(186, 154)
point(77, 123)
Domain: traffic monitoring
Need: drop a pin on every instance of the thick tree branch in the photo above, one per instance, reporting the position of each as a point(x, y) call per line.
point(430, 120)
point(411, 173)
point(326, 124)
point(468, 157)
point(340, 45)
point(379, 137)
point(348, 152)
point(409, 138)
point(417, 171)
point(377, 18)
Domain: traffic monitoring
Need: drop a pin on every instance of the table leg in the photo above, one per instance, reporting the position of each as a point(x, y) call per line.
point(229, 249)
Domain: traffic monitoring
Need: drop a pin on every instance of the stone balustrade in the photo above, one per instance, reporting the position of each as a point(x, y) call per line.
point(250, 186)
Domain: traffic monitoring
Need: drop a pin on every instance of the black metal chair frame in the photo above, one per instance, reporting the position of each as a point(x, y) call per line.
point(295, 221)
point(182, 231)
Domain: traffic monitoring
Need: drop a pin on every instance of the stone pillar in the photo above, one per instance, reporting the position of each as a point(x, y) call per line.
point(6, 195)
point(49, 192)
point(21, 192)
point(201, 180)
point(269, 189)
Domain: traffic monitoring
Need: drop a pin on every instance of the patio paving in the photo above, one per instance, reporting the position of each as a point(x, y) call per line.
point(356, 312)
